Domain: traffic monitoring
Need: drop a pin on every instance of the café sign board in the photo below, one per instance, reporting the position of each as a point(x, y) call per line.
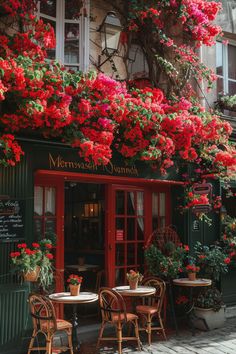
point(11, 219)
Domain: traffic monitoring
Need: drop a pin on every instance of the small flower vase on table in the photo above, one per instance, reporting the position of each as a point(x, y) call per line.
point(74, 282)
point(133, 284)
point(74, 289)
point(192, 276)
point(133, 279)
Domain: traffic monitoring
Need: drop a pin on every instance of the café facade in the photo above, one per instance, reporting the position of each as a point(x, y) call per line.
point(100, 215)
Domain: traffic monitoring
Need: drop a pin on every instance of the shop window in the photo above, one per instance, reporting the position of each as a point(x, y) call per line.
point(158, 210)
point(44, 211)
point(226, 68)
point(129, 233)
point(137, 63)
point(71, 25)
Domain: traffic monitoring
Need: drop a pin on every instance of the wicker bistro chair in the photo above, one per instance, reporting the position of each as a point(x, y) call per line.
point(152, 307)
point(46, 323)
point(113, 311)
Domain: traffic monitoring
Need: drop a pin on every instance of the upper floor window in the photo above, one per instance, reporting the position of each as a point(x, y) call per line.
point(226, 68)
point(70, 20)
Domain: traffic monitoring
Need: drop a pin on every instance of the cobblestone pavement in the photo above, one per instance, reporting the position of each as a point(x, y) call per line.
point(219, 341)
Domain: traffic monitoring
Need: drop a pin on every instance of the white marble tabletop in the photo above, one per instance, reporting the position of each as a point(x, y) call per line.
point(140, 291)
point(66, 297)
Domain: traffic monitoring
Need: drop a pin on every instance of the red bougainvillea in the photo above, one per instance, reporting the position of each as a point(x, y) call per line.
point(97, 114)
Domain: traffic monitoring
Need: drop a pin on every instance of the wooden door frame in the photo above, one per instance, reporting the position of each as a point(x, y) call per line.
point(58, 179)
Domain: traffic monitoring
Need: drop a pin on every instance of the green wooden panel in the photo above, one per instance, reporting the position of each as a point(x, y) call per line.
point(228, 287)
point(13, 312)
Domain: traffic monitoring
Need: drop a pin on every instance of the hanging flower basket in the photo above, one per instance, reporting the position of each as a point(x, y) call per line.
point(32, 275)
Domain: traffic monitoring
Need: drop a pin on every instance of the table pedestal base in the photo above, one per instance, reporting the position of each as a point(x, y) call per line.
point(75, 328)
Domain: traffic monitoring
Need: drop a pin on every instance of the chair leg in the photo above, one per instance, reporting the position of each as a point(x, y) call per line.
point(119, 337)
point(70, 342)
point(49, 344)
point(137, 334)
point(149, 329)
point(100, 335)
point(31, 342)
point(162, 327)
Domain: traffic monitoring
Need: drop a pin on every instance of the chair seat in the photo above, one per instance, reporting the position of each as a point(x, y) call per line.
point(130, 317)
point(146, 309)
point(61, 325)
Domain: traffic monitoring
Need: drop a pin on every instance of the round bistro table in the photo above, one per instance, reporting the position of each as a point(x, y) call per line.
point(82, 298)
point(191, 284)
point(141, 291)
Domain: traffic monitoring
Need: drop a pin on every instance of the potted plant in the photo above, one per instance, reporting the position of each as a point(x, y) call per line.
point(134, 278)
point(212, 260)
point(209, 310)
point(34, 263)
point(226, 102)
point(166, 263)
point(74, 282)
point(192, 270)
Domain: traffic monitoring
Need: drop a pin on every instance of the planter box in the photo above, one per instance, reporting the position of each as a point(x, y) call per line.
point(207, 319)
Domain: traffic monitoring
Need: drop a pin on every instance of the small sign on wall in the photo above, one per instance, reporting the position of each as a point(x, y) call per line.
point(119, 235)
point(196, 225)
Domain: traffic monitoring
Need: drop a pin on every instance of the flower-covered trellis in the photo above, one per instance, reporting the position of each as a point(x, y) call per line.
point(97, 114)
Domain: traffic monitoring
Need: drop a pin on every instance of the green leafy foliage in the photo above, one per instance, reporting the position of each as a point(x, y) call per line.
point(210, 299)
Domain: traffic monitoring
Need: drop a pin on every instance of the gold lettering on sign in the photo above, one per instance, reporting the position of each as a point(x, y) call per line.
point(110, 168)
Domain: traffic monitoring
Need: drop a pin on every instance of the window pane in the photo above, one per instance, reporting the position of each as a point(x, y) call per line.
point(51, 53)
point(120, 229)
point(154, 204)
point(71, 43)
point(131, 254)
point(120, 203)
point(219, 58)
point(50, 201)
point(120, 254)
point(130, 203)
point(131, 228)
point(140, 203)
point(140, 256)
point(120, 277)
point(162, 204)
point(232, 62)
point(50, 226)
point(72, 9)
point(220, 87)
point(140, 228)
point(38, 229)
point(232, 88)
point(48, 7)
point(38, 201)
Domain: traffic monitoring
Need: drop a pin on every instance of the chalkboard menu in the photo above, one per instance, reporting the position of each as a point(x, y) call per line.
point(11, 219)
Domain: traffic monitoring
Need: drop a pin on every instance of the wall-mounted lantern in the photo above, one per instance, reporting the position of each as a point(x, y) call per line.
point(110, 30)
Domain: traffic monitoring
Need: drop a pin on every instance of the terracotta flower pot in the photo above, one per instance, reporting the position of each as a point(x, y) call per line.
point(133, 284)
point(192, 276)
point(74, 289)
point(32, 275)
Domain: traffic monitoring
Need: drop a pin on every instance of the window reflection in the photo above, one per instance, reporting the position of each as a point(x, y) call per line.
point(38, 201)
point(120, 254)
point(131, 254)
point(131, 203)
point(120, 202)
point(72, 9)
point(48, 7)
point(50, 203)
point(131, 228)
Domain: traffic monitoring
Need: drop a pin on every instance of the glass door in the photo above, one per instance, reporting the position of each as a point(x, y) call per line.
point(127, 236)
